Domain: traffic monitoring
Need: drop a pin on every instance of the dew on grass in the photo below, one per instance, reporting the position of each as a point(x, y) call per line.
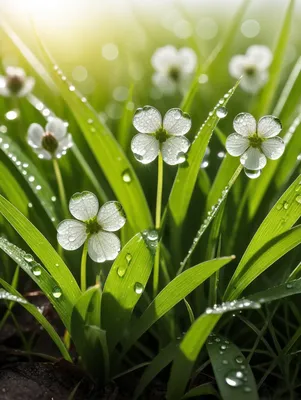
point(38, 187)
point(232, 305)
point(285, 205)
point(252, 174)
point(181, 157)
point(289, 285)
point(30, 205)
point(3, 129)
point(90, 121)
point(53, 199)
point(56, 292)
point(36, 270)
point(203, 78)
point(31, 178)
point(12, 115)
point(128, 258)
point(72, 88)
point(152, 235)
point(239, 359)
point(298, 199)
point(28, 258)
point(138, 287)
point(279, 206)
point(126, 176)
point(234, 378)
point(247, 389)
point(225, 362)
point(221, 112)
point(121, 271)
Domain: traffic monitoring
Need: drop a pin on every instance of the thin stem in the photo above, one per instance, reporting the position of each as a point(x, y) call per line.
point(83, 268)
point(158, 223)
point(60, 185)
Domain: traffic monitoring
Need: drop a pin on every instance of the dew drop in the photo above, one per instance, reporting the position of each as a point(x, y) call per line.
point(128, 258)
point(252, 174)
point(53, 198)
point(30, 205)
point(279, 206)
point(223, 347)
point(56, 292)
point(221, 112)
point(71, 88)
point(239, 360)
point(152, 235)
point(285, 205)
point(121, 271)
point(12, 114)
point(28, 257)
point(138, 287)
point(126, 176)
point(289, 285)
point(203, 78)
point(247, 389)
point(36, 270)
point(38, 187)
point(234, 378)
point(225, 362)
point(298, 199)
point(31, 178)
point(90, 121)
point(181, 157)
point(57, 265)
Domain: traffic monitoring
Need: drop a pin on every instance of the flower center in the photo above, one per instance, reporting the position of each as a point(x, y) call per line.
point(49, 142)
point(92, 226)
point(250, 70)
point(255, 140)
point(161, 135)
point(174, 73)
point(14, 83)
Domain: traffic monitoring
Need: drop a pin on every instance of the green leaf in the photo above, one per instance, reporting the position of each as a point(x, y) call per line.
point(273, 232)
point(31, 174)
point(46, 253)
point(232, 372)
point(162, 359)
point(10, 187)
point(187, 174)
point(40, 318)
point(201, 390)
point(172, 294)
point(4, 295)
point(278, 292)
point(126, 282)
point(263, 105)
point(124, 128)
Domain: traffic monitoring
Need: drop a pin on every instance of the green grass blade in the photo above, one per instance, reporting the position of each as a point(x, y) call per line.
point(10, 187)
point(5, 295)
point(124, 128)
point(125, 283)
point(263, 105)
point(278, 292)
point(44, 251)
point(40, 318)
point(202, 390)
point(187, 174)
point(32, 176)
point(172, 294)
point(232, 372)
point(162, 359)
point(280, 219)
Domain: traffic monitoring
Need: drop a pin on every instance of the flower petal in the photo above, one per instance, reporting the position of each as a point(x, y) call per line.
point(253, 159)
point(187, 59)
point(176, 122)
point(71, 234)
point(5, 92)
point(42, 153)
point(273, 148)
point(244, 124)
point(269, 126)
point(111, 216)
point(236, 66)
point(27, 87)
point(57, 127)
point(173, 149)
point(64, 144)
point(252, 84)
point(34, 135)
point(164, 57)
point(260, 55)
point(84, 205)
point(164, 83)
point(236, 144)
point(145, 148)
point(103, 246)
point(147, 119)
point(15, 71)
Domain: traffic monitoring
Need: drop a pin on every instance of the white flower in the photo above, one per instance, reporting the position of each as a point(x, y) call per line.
point(15, 83)
point(173, 68)
point(253, 142)
point(253, 67)
point(92, 224)
point(156, 136)
point(52, 142)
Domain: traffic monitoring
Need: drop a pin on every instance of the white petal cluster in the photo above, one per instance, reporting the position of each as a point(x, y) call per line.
point(253, 67)
point(15, 83)
point(156, 135)
point(93, 224)
point(255, 142)
point(51, 142)
point(173, 68)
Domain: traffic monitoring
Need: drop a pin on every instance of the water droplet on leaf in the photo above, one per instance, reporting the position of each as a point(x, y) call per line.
point(221, 112)
point(138, 287)
point(56, 292)
point(126, 176)
point(234, 378)
point(252, 174)
point(36, 270)
point(128, 258)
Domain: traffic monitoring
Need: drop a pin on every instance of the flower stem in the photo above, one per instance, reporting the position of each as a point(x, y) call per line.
point(158, 223)
point(83, 268)
point(60, 185)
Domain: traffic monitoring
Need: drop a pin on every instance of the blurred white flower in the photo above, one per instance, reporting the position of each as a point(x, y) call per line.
point(253, 67)
point(15, 83)
point(53, 142)
point(155, 135)
point(173, 68)
point(253, 142)
point(93, 224)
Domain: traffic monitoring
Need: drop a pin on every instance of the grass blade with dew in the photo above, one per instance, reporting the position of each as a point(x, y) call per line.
point(278, 222)
point(193, 342)
point(281, 291)
point(107, 151)
point(41, 107)
point(124, 127)
point(263, 105)
point(46, 254)
point(232, 372)
point(40, 318)
point(172, 294)
point(32, 176)
point(126, 282)
point(10, 187)
point(187, 174)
